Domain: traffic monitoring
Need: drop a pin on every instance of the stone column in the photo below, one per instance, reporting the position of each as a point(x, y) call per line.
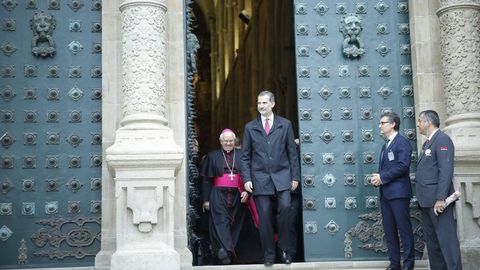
point(460, 48)
point(144, 158)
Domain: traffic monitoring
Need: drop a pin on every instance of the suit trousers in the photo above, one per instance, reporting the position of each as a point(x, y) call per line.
point(441, 238)
point(396, 221)
point(266, 223)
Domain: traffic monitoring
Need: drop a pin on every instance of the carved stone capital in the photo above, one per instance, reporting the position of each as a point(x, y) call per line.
point(449, 3)
point(460, 51)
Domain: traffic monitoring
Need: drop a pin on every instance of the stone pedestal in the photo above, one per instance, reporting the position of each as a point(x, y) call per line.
point(144, 164)
point(460, 47)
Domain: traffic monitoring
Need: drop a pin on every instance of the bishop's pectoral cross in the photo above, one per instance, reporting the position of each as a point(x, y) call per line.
point(231, 176)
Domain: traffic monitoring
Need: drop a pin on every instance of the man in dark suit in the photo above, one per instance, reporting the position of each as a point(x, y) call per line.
point(434, 179)
point(270, 170)
point(393, 179)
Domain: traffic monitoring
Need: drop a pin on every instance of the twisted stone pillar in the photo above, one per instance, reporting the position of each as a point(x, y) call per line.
point(144, 157)
point(460, 48)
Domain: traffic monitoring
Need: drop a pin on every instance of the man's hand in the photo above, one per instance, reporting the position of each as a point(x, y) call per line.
point(294, 185)
point(244, 197)
point(248, 186)
point(439, 207)
point(375, 180)
point(206, 206)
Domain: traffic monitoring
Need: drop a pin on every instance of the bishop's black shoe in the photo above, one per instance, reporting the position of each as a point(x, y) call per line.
point(268, 263)
point(223, 256)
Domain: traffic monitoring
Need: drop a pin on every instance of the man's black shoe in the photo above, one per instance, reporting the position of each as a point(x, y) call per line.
point(268, 263)
point(392, 268)
point(223, 256)
point(286, 259)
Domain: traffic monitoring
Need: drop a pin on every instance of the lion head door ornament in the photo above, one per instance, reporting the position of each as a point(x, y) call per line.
point(42, 25)
point(351, 27)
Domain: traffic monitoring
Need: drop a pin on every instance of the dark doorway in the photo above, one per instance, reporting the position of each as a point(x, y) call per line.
point(244, 48)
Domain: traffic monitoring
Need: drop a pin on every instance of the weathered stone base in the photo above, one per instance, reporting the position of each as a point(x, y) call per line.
point(145, 259)
point(470, 257)
point(102, 260)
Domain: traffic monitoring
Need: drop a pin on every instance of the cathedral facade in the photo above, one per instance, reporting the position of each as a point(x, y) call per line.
point(150, 60)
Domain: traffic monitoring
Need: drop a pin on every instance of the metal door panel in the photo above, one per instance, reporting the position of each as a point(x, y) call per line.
point(341, 97)
point(50, 123)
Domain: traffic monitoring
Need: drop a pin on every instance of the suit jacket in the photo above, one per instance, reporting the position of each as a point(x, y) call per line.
point(269, 161)
point(435, 170)
point(394, 169)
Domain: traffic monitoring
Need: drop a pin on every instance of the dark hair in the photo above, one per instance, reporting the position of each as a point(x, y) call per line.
point(432, 117)
point(392, 118)
point(270, 95)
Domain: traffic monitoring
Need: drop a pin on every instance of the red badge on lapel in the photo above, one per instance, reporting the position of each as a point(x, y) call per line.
point(443, 148)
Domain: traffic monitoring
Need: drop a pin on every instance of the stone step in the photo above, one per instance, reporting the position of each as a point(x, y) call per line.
point(340, 265)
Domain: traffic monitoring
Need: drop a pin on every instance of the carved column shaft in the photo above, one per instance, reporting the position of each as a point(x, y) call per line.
point(460, 50)
point(144, 62)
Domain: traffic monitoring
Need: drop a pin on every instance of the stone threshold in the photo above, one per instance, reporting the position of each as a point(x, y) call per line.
point(339, 265)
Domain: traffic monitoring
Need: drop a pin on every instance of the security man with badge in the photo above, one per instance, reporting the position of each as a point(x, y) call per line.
point(434, 184)
point(393, 179)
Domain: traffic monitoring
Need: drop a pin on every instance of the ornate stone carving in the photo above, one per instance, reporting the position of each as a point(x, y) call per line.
point(351, 27)
point(42, 25)
point(470, 189)
point(144, 63)
point(446, 3)
point(460, 49)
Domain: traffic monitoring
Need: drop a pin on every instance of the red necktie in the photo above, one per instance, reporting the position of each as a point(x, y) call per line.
point(425, 144)
point(267, 126)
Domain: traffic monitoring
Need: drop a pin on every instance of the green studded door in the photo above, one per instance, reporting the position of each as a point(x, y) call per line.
point(50, 132)
point(353, 63)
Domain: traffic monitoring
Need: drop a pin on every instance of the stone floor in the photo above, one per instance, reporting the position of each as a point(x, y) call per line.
point(340, 265)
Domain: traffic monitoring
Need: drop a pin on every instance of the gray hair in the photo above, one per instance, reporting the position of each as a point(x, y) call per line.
point(432, 117)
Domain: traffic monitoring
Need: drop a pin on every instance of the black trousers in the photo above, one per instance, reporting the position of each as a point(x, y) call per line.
point(441, 238)
point(264, 204)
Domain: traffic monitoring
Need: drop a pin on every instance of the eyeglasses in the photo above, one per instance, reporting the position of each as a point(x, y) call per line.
point(228, 141)
point(383, 122)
